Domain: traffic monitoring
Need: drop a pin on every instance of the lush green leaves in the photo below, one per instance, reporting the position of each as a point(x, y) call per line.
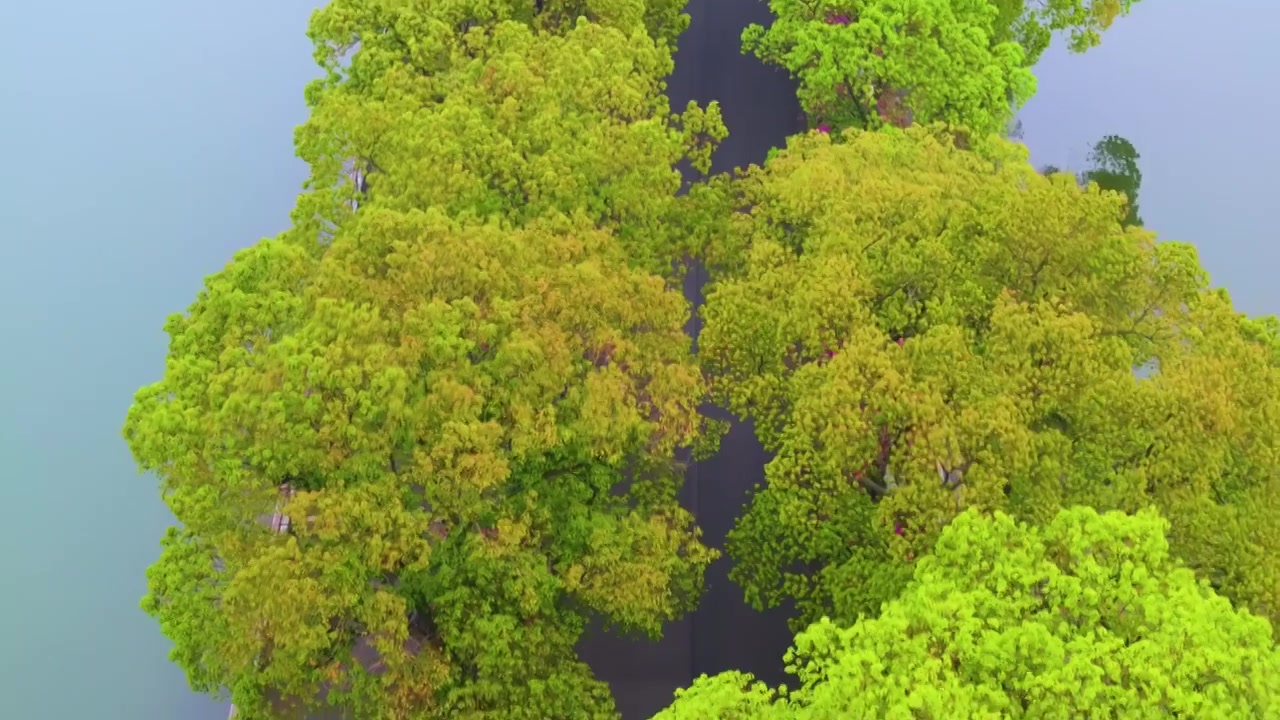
point(1089, 616)
point(468, 364)
point(917, 329)
point(1114, 166)
point(870, 63)
point(455, 365)
point(454, 405)
point(501, 121)
point(1032, 24)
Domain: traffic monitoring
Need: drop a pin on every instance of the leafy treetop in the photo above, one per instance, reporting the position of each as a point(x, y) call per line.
point(453, 405)
point(454, 376)
point(917, 329)
point(497, 119)
point(1113, 166)
point(1032, 24)
point(872, 63)
point(1087, 616)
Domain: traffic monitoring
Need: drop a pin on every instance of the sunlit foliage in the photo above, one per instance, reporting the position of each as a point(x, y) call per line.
point(871, 63)
point(496, 119)
point(1088, 617)
point(456, 375)
point(1033, 24)
point(917, 329)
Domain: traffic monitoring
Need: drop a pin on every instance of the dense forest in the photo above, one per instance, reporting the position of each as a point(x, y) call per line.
point(1025, 458)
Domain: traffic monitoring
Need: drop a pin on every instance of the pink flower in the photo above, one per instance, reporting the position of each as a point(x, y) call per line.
point(837, 19)
point(897, 529)
point(824, 128)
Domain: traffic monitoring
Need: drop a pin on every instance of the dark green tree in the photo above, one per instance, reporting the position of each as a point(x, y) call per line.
point(1114, 166)
point(1033, 24)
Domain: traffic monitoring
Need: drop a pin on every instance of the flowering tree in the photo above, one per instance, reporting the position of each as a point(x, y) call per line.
point(917, 329)
point(1088, 617)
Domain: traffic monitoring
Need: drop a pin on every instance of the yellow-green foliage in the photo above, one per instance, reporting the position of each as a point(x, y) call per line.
point(454, 405)
point(455, 376)
point(1032, 24)
point(868, 63)
point(497, 119)
point(1086, 617)
point(917, 329)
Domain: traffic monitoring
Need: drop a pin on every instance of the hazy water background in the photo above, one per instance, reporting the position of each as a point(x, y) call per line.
point(145, 141)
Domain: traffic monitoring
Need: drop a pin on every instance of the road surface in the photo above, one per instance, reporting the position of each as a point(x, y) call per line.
point(760, 110)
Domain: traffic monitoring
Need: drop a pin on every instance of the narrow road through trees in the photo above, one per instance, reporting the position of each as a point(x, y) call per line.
point(760, 109)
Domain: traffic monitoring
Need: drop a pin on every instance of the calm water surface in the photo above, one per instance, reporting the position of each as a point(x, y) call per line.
point(145, 141)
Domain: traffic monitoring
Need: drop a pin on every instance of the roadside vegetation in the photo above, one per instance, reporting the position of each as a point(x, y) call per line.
point(1024, 453)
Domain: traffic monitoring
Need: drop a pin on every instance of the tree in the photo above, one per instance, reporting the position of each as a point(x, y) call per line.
point(410, 30)
point(1033, 24)
point(491, 117)
point(1089, 616)
point(455, 377)
point(916, 329)
point(871, 63)
point(1114, 167)
point(663, 19)
point(453, 406)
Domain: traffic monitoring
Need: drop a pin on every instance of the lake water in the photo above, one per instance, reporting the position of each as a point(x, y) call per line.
point(145, 141)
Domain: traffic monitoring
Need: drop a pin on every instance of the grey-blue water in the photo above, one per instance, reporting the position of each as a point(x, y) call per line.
point(144, 141)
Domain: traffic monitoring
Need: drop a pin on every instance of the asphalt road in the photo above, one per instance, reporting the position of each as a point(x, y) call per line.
point(760, 110)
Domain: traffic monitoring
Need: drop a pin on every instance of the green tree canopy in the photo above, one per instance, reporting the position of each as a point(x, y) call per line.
point(1114, 166)
point(1087, 617)
point(423, 34)
point(462, 368)
point(870, 63)
point(916, 329)
point(498, 119)
point(454, 405)
point(1032, 24)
